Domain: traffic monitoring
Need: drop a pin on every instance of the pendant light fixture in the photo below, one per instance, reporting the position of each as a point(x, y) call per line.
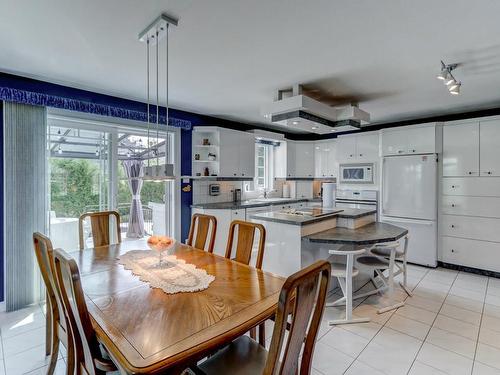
point(449, 80)
point(152, 35)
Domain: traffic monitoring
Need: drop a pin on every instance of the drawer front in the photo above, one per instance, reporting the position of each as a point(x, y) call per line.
point(471, 206)
point(477, 228)
point(471, 253)
point(238, 214)
point(477, 186)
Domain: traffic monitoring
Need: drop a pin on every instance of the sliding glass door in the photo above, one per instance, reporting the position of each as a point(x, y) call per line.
point(92, 168)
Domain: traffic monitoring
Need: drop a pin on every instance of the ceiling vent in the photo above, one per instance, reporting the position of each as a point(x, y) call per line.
point(302, 113)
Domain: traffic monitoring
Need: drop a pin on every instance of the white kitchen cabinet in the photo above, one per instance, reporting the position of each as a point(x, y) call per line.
point(461, 150)
point(346, 148)
point(471, 206)
point(406, 140)
point(471, 227)
point(474, 186)
point(367, 146)
point(324, 159)
point(234, 152)
point(489, 141)
point(471, 253)
point(300, 159)
point(224, 218)
point(358, 147)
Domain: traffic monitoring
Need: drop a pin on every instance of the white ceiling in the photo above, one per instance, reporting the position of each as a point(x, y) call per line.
point(229, 56)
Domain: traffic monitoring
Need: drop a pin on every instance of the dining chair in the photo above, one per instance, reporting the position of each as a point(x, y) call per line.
point(99, 222)
point(56, 330)
point(202, 225)
point(245, 232)
point(88, 356)
point(345, 274)
point(302, 298)
point(385, 249)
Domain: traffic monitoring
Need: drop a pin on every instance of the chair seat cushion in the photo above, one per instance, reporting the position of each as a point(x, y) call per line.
point(372, 262)
point(243, 356)
point(386, 252)
point(338, 270)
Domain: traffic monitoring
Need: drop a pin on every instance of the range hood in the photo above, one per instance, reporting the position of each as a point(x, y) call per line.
point(303, 113)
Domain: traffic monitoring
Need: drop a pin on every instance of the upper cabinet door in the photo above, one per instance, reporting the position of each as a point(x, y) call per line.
point(394, 142)
point(229, 153)
point(304, 159)
point(489, 136)
point(422, 140)
point(346, 148)
point(461, 150)
point(246, 155)
point(331, 165)
point(291, 150)
point(320, 160)
point(367, 147)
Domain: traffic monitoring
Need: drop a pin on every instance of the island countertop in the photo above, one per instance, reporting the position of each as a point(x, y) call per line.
point(286, 218)
point(366, 235)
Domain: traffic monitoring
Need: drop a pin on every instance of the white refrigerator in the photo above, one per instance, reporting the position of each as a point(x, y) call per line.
point(409, 200)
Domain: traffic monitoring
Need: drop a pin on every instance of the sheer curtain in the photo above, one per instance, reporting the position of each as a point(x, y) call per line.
point(25, 201)
point(134, 171)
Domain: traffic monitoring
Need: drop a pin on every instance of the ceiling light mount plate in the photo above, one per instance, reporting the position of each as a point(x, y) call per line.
point(159, 25)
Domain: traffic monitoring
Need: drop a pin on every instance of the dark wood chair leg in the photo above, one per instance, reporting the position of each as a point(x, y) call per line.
point(253, 333)
point(262, 334)
point(53, 355)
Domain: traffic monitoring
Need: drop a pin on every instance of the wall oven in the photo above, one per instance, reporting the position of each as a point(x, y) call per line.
point(359, 173)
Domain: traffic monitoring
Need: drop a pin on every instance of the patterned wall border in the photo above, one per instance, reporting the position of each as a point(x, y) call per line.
point(36, 98)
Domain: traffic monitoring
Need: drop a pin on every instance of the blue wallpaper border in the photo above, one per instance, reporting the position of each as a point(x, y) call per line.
point(35, 98)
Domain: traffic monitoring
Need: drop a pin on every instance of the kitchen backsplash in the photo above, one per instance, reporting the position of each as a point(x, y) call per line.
point(200, 190)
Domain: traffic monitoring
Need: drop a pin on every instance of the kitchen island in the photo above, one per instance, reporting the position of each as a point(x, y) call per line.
point(288, 247)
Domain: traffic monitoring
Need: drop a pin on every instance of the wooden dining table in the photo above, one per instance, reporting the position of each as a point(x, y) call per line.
point(149, 331)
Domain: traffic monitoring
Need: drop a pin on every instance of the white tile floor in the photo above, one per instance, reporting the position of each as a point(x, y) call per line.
point(450, 326)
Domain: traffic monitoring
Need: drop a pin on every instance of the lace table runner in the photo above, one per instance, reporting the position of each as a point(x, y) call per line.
point(172, 276)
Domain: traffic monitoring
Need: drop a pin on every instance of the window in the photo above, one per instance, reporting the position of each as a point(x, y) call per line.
point(263, 166)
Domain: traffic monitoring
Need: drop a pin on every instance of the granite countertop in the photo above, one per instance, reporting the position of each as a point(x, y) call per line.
point(366, 235)
point(284, 218)
point(248, 204)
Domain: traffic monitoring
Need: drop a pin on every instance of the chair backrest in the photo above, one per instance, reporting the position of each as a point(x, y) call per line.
point(45, 257)
point(99, 222)
point(202, 225)
point(246, 235)
point(303, 298)
point(86, 346)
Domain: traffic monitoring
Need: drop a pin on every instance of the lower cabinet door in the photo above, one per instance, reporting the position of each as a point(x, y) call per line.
point(471, 253)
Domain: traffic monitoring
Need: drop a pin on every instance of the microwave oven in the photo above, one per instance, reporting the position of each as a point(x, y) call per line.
point(360, 173)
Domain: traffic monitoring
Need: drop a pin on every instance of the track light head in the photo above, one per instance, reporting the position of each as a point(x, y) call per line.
point(455, 88)
point(448, 79)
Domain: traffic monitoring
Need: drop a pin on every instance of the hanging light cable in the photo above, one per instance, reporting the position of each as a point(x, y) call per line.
point(155, 32)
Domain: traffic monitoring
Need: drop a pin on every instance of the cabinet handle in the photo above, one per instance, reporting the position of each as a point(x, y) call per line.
point(413, 150)
point(489, 172)
point(350, 155)
point(453, 186)
point(453, 226)
point(400, 151)
point(452, 250)
point(242, 174)
point(234, 174)
point(360, 154)
point(453, 205)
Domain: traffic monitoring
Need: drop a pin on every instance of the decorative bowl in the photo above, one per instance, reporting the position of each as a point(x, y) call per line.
point(161, 243)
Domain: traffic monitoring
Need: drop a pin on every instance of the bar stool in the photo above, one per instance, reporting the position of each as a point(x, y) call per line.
point(384, 250)
point(345, 274)
point(378, 264)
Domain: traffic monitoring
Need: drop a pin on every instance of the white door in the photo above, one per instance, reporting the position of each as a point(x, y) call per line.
point(320, 160)
point(246, 155)
point(394, 142)
point(367, 147)
point(489, 140)
point(304, 159)
point(409, 186)
point(422, 140)
point(229, 153)
point(461, 150)
point(331, 165)
point(291, 170)
point(346, 148)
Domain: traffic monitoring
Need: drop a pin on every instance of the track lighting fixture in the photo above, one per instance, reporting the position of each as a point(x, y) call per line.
point(59, 150)
point(448, 78)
